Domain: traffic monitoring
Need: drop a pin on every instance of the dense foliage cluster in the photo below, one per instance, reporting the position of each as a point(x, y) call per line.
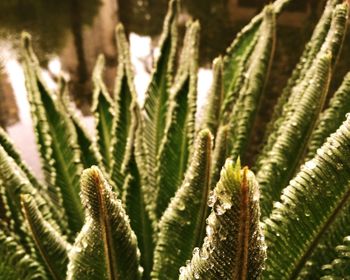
point(160, 194)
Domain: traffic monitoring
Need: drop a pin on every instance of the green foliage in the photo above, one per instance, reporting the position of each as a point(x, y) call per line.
point(169, 199)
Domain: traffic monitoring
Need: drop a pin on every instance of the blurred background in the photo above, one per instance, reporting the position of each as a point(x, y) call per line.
point(68, 35)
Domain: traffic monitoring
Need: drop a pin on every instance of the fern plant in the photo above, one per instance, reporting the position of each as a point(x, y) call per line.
point(158, 194)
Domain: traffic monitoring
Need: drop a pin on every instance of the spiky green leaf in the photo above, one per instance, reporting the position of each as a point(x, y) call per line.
point(106, 247)
point(296, 124)
point(15, 263)
point(258, 66)
point(180, 126)
point(140, 221)
point(157, 95)
point(125, 98)
point(185, 215)
point(57, 142)
point(295, 85)
point(340, 267)
point(233, 247)
point(89, 153)
point(212, 113)
point(14, 183)
point(309, 207)
point(102, 108)
point(51, 244)
point(331, 118)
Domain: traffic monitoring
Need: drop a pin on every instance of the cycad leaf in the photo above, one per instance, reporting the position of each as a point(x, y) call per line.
point(285, 103)
point(57, 142)
point(211, 113)
point(340, 267)
point(157, 96)
point(234, 247)
point(306, 59)
point(185, 215)
point(14, 183)
point(50, 243)
point(280, 163)
point(331, 118)
point(89, 153)
point(180, 126)
point(15, 263)
point(133, 198)
point(310, 206)
point(273, 174)
point(125, 97)
point(248, 100)
point(102, 108)
point(220, 153)
point(106, 247)
point(10, 149)
point(238, 54)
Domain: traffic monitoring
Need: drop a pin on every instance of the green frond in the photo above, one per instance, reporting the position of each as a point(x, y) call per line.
point(233, 247)
point(51, 244)
point(140, 153)
point(11, 150)
point(185, 215)
point(13, 184)
point(280, 164)
point(15, 263)
point(57, 142)
point(295, 87)
point(340, 267)
point(331, 118)
point(141, 223)
point(106, 247)
point(179, 131)
point(243, 114)
point(237, 55)
point(157, 95)
point(288, 143)
point(125, 99)
point(212, 113)
point(309, 207)
point(221, 150)
point(89, 153)
point(103, 110)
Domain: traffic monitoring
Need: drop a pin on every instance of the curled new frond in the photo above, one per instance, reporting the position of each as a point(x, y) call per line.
point(233, 247)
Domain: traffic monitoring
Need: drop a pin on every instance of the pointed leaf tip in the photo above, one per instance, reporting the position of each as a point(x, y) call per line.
point(234, 246)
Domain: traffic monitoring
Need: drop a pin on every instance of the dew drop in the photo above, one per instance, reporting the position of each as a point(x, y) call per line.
point(310, 164)
point(212, 199)
point(181, 206)
point(219, 210)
